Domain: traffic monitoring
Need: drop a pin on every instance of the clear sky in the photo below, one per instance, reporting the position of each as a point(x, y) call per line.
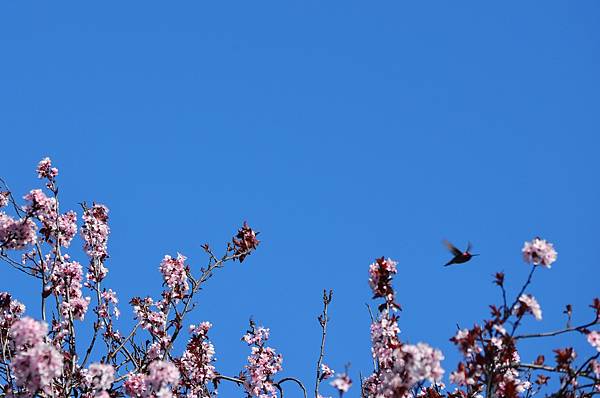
point(343, 131)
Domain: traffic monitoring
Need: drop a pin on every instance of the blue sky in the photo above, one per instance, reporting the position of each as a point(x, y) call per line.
point(341, 131)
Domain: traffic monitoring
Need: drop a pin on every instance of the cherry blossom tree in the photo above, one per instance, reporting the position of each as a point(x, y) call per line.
point(44, 355)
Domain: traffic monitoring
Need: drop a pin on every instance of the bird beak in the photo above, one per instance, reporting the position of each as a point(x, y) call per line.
point(473, 255)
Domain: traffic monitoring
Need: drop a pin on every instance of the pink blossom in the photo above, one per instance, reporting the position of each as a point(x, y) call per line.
point(99, 376)
point(420, 362)
point(41, 206)
point(528, 303)
point(196, 364)
point(4, 198)
point(538, 251)
point(162, 376)
point(380, 276)
point(510, 377)
point(244, 242)
point(135, 385)
point(500, 329)
point(76, 306)
point(10, 310)
point(67, 278)
point(174, 275)
point(17, 234)
point(263, 364)
point(467, 341)
point(326, 372)
point(67, 228)
point(95, 234)
point(408, 366)
point(384, 339)
point(460, 378)
point(593, 338)
point(35, 368)
point(28, 332)
point(203, 328)
point(342, 383)
point(371, 386)
point(257, 336)
point(45, 169)
point(110, 296)
point(596, 367)
point(154, 322)
point(155, 351)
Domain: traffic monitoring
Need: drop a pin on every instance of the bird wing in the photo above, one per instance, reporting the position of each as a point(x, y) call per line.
point(452, 248)
point(449, 263)
point(469, 247)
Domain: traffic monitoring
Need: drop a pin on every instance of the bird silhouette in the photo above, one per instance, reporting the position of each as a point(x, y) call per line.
point(459, 256)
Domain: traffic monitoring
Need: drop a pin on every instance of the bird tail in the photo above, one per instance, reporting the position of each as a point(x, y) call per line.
point(449, 263)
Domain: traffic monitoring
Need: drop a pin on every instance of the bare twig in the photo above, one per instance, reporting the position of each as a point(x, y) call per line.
point(323, 319)
point(558, 332)
point(295, 381)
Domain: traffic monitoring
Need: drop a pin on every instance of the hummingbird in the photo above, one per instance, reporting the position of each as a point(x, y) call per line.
point(459, 257)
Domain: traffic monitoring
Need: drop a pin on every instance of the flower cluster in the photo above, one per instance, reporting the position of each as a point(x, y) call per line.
point(41, 207)
point(418, 362)
point(27, 332)
point(16, 234)
point(67, 278)
point(36, 363)
point(99, 377)
point(174, 273)
point(528, 303)
point(400, 366)
point(381, 273)
point(95, 234)
point(491, 360)
point(410, 365)
point(342, 383)
point(384, 339)
point(538, 251)
point(153, 321)
point(60, 228)
point(196, 363)
point(497, 353)
point(257, 336)
point(108, 299)
point(326, 372)
point(4, 198)
point(244, 242)
point(162, 377)
point(45, 169)
point(10, 311)
point(67, 228)
point(135, 385)
point(263, 364)
point(593, 338)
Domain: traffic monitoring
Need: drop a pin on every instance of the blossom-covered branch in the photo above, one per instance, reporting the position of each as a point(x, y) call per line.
point(48, 357)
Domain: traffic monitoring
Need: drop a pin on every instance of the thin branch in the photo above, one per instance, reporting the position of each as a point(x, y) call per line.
point(323, 319)
point(527, 282)
point(229, 378)
point(113, 353)
point(295, 381)
point(558, 332)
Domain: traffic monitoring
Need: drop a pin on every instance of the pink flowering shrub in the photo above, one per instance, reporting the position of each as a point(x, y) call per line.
point(43, 353)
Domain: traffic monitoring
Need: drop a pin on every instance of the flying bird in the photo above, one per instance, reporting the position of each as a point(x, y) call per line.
point(459, 256)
